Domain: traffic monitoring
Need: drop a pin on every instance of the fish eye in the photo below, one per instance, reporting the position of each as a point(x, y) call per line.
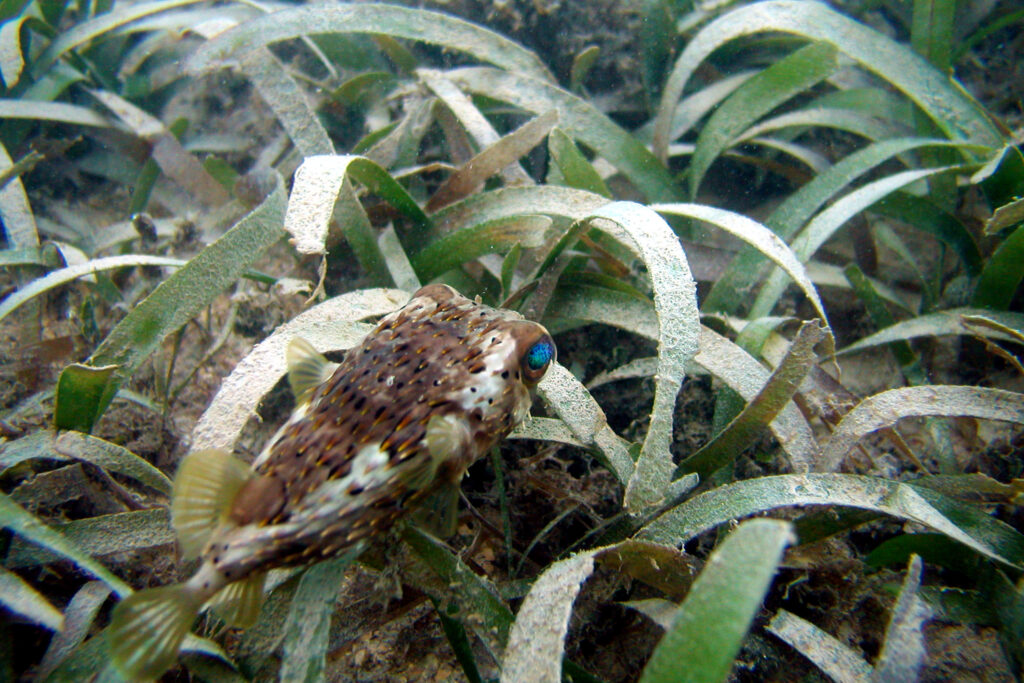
point(537, 359)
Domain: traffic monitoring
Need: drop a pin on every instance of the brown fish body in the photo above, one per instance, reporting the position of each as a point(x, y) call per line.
point(404, 414)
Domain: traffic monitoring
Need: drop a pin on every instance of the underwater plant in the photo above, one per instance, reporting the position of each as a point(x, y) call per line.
point(187, 186)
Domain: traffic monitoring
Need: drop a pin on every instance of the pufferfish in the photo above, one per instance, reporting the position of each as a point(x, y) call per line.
point(388, 431)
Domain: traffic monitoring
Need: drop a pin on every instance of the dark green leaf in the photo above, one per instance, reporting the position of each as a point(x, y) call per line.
point(935, 549)
point(464, 245)
point(80, 396)
point(957, 114)
point(471, 594)
point(931, 33)
point(733, 289)
point(1002, 178)
point(1002, 274)
point(925, 216)
point(460, 644)
point(582, 63)
point(575, 170)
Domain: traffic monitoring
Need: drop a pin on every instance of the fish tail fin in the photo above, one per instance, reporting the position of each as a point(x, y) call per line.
point(239, 603)
point(204, 489)
point(147, 629)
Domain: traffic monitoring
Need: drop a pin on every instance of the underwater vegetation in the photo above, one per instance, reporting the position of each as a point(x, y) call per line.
point(779, 246)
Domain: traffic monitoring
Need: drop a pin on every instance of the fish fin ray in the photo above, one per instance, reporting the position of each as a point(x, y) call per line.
point(147, 629)
point(438, 512)
point(239, 603)
point(307, 368)
point(448, 441)
point(205, 487)
point(419, 474)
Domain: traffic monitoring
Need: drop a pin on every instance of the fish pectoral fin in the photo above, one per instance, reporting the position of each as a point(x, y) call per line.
point(448, 439)
point(450, 444)
point(307, 368)
point(239, 603)
point(204, 489)
point(147, 629)
point(438, 512)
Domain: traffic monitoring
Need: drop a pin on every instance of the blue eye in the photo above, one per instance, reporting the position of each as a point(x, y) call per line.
point(539, 355)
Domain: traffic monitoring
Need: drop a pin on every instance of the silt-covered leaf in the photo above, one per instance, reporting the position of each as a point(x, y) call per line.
point(184, 294)
point(825, 651)
point(26, 526)
point(955, 321)
point(535, 645)
point(112, 458)
point(903, 653)
point(574, 405)
point(78, 618)
point(885, 409)
point(17, 596)
point(98, 536)
point(309, 618)
point(675, 305)
point(373, 18)
point(963, 523)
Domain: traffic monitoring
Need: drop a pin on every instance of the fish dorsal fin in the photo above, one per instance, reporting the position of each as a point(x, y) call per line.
point(239, 603)
point(204, 489)
point(307, 368)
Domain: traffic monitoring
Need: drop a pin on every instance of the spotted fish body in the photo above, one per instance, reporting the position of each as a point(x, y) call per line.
point(395, 424)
